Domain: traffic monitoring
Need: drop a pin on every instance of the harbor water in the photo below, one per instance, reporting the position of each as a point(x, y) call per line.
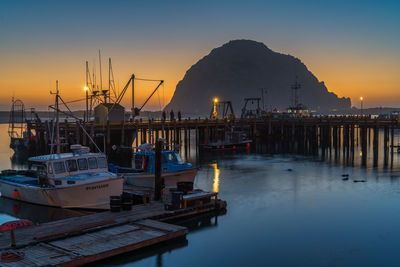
point(283, 210)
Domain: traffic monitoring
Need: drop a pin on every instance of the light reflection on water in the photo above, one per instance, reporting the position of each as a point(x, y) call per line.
point(289, 210)
point(216, 177)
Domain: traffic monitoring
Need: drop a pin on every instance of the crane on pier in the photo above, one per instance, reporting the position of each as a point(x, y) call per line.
point(225, 108)
point(131, 81)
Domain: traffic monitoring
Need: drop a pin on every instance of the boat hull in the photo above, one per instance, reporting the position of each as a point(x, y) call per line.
point(170, 178)
point(94, 195)
point(226, 145)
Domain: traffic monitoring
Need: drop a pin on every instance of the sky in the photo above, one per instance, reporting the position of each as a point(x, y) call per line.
point(353, 46)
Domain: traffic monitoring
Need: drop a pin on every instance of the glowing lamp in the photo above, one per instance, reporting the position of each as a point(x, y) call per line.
point(85, 88)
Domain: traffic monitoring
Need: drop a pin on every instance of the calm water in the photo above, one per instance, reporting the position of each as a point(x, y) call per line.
point(276, 217)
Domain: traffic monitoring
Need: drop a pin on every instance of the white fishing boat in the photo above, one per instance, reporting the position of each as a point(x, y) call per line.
point(79, 179)
point(68, 180)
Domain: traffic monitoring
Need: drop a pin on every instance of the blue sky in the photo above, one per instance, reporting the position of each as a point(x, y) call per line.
point(323, 34)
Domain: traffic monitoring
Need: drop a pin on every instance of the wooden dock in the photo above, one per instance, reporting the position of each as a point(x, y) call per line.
point(304, 135)
point(88, 238)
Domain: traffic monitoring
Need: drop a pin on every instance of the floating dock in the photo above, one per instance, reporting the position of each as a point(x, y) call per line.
point(89, 238)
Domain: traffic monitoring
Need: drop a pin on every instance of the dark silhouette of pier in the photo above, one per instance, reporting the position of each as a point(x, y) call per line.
point(278, 134)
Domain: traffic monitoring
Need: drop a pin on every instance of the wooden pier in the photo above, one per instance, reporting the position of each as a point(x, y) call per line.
point(89, 238)
point(273, 134)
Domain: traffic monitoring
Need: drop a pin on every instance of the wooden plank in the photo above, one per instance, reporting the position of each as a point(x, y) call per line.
point(160, 225)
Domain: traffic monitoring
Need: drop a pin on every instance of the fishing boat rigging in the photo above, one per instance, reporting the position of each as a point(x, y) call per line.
point(78, 179)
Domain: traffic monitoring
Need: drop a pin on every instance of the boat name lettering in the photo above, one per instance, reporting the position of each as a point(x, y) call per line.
point(96, 187)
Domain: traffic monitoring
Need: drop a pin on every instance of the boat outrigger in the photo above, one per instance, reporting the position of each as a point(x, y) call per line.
point(173, 169)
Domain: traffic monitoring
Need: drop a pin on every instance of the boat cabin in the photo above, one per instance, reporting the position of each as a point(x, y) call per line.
point(144, 161)
point(67, 168)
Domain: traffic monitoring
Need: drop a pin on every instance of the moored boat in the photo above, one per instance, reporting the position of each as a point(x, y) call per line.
point(173, 168)
point(68, 180)
point(233, 139)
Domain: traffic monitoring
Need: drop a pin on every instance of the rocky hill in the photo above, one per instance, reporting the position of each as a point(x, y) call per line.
point(239, 69)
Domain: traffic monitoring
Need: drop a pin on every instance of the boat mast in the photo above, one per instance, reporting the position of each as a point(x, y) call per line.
point(57, 121)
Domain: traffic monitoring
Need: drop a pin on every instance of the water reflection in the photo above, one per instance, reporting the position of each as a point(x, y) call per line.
point(216, 177)
point(35, 213)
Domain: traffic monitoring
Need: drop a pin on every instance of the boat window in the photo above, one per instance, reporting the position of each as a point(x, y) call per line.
point(92, 163)
point(82, 164)
point(40, 168)
point(71, 165)
point(59, 167)
point(139, 162)
point(178, 158)
point(173, 157)
point(102, 162)
point(50, 168)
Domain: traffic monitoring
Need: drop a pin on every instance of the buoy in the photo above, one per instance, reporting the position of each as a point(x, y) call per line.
point(345, 179)
point(15, 194)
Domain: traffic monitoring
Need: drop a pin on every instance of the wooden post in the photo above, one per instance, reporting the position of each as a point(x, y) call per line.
point(122, 142)
point(385, 145)
point(158, 179)
point(376, 144)
point(12, 238)
point(363, 138)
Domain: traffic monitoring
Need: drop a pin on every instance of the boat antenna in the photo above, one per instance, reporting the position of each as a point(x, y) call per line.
point(57, 123)
point(101, 79)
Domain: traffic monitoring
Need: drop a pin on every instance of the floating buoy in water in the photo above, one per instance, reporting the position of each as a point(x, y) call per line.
point(289, 170)
point(15, 194)
point(345, 175)
point(359, 181)
point(345, 179)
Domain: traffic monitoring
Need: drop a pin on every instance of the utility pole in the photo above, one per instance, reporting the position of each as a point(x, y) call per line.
point(158, 179)
point(361, 99)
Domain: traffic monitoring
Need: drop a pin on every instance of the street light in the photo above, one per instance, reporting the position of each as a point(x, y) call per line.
point(215, 114)
point(361, 99)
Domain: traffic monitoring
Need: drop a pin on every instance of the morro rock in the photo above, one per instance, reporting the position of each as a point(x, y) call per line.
point(239, 69)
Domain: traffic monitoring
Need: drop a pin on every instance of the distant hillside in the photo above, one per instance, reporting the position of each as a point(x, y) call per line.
point(239, 69)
